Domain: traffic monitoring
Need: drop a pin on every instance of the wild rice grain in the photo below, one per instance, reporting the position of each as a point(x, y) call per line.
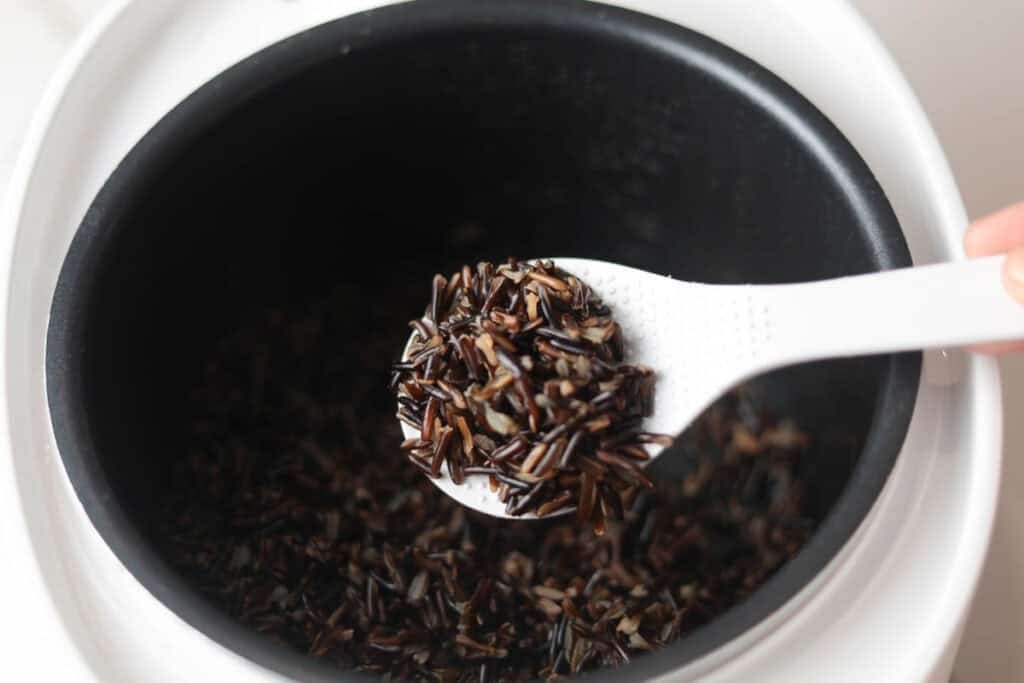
point(543, 385)
point(303, 521)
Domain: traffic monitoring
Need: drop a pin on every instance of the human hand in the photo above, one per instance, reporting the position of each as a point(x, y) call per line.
point(1001, 233)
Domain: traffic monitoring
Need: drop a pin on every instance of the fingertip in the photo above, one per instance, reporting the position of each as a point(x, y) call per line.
point(1013, 274)
point(973, 242)
point(996, 233)
point(998, 349)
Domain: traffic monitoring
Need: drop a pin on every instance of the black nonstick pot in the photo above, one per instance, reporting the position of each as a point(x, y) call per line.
point(393, 144)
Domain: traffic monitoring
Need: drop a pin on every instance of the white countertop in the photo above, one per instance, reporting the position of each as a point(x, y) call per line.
point(966, 62)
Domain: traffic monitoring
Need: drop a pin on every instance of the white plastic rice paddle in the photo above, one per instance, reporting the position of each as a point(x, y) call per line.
point(703, 339)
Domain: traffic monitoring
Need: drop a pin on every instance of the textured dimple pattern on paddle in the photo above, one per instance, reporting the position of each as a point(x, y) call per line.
point(698, 338)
